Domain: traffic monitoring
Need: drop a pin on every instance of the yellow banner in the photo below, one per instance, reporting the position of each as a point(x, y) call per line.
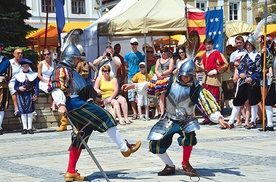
point(196, 23)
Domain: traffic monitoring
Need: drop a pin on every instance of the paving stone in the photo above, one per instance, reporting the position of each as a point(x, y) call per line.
point(220, 155)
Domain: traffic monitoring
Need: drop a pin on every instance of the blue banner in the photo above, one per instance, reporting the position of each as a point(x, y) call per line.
point(214, 27)
point(60, 17)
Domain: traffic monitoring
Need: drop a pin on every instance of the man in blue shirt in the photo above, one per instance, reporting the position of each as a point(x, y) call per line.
point(132, 60)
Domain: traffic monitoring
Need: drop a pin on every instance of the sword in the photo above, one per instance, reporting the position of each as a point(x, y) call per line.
point(76, 132)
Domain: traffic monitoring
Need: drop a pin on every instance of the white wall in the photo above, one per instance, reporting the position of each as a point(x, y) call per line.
point(38, 16)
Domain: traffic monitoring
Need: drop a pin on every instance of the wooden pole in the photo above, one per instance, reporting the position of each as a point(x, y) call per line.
point(264, 73)
point(46, 28)
point(187, 24)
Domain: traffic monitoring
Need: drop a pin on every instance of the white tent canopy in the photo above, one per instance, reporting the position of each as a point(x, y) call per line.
point(90, 40)
point(154, 17)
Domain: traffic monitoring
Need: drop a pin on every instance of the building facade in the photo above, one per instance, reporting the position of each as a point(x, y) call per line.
point(245, 10)
point(74, 10)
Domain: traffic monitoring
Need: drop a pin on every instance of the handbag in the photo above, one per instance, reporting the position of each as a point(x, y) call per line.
point(110, 109)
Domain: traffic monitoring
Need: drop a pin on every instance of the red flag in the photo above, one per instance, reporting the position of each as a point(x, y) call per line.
point(196, 21)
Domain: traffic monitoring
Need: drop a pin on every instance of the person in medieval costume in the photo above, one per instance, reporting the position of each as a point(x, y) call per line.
point(213, 64)
point(183, 94)
point(63, 119)
point(248, 72)
point(73, 97)
point(26, 85)
point(5, 76)
point(270, 99)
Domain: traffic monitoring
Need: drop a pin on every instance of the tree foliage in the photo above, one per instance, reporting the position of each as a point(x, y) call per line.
point(12, 26)
point(13, 29)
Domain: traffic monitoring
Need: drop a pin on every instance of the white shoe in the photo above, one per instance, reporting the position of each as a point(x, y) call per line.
point(34, 113)
point(141, 117)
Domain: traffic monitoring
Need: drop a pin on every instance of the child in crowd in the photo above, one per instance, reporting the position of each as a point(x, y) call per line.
point(143, 99)
point(26, 85)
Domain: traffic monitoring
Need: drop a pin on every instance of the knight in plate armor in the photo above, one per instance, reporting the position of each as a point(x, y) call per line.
point(184, 93)
point(26, 85)
point(73, 97)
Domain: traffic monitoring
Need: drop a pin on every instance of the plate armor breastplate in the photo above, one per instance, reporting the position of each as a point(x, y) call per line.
point(179, 104)
point(77, 85)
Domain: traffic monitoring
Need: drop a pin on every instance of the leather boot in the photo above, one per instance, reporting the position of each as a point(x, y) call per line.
point(63, 124)
point(74, 177)
point(189, 169)
point(131, 148)
point(168, 170)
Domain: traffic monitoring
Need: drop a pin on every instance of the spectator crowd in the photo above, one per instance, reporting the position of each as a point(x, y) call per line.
point(235, 76)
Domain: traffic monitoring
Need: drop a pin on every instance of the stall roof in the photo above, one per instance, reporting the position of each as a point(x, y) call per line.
point(270, 29)
point(52, 29)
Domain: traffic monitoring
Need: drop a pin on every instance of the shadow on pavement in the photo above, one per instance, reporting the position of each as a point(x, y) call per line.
point(114, 175)
point(205, 173)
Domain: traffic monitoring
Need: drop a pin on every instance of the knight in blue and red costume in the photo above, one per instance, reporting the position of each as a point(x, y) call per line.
point(73, 97)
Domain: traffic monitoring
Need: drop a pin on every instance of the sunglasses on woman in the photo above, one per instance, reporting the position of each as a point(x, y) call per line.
point(48, 54)
point(163, 51)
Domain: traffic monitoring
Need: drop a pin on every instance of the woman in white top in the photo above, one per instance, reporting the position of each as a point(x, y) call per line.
point(45, 69)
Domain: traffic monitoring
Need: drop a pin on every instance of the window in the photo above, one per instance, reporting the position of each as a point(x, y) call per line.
point(201, 5)
point(78, 6)
point(233, 11)
point(52, 6)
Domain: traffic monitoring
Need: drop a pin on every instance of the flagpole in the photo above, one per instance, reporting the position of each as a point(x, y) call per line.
point(60, 18)
point(187, 24)
point(46, 28)
point(264, 71)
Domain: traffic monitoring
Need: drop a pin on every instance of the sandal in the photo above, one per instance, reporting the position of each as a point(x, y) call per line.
point(251, 123)
point(223, 127)
point(134, 117)
point(127, 121)
point(238, 124)
point(122, 122)
point(53, 109)
point(250, 126)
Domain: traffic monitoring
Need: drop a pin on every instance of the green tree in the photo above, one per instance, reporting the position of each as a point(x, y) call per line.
point(13, 29)
point(12, 26)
